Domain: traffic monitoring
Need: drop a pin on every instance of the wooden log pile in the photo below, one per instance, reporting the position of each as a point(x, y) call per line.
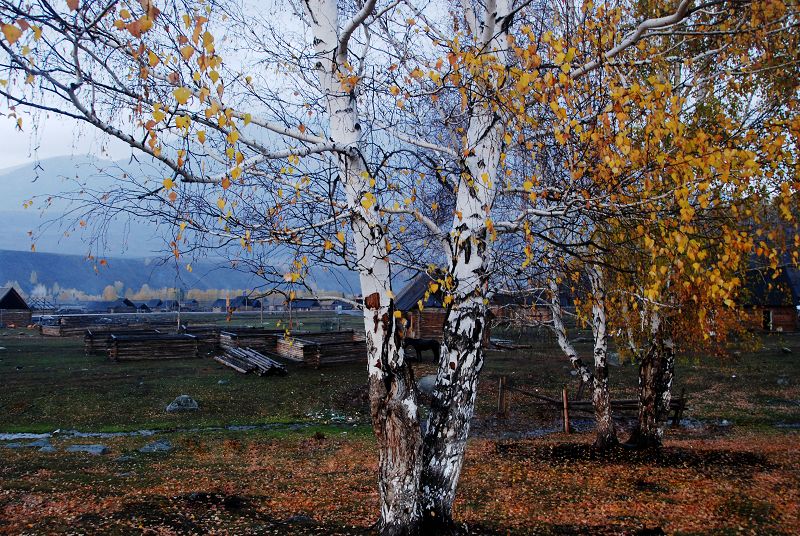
point(207, 337)
point(97, 340)
point(262, 340)
point(317, 349)
point(76, 325)
point(246, 360)
point(156, 346)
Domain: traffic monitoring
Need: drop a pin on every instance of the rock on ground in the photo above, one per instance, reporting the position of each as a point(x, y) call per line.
point(95, 450)
point(162, 445)
point(183, 403)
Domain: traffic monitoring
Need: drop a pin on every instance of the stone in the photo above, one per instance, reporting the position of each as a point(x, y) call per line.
point(613, 359)
point(783, 381)
point(183, 403)
point(786, 350)
point(223, 382)
point(301, 519)
point(48, 449)
point(426, 384)
point(95, 450)
point(162, 445)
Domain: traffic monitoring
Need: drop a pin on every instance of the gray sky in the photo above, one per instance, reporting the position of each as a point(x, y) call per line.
point(52, 136)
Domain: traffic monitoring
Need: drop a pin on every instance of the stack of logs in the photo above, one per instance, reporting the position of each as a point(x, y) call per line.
point(248, 349)
point(316, 349)
point(71, 326)
point(263, 340)
point(97, 340)
point(247, 360)
point(153, 346)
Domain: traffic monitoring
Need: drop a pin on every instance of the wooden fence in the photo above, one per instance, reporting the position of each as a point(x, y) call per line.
point(564, 405)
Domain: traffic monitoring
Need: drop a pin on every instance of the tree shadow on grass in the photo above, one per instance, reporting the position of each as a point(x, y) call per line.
point(567, 453)
point(205, 513)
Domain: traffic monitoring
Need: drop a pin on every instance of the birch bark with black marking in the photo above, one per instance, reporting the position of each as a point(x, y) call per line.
point(392, 394)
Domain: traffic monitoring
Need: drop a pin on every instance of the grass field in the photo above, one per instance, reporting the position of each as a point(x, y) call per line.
point(737, 471)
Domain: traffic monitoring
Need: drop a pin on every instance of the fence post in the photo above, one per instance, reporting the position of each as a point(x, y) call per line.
point(676, 419)
point(565, 400)
point(502, 398)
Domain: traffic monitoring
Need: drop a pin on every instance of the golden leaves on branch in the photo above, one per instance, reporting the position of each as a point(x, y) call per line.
point(11, 33)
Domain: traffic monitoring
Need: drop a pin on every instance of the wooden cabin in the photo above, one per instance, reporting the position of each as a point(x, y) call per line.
point(772, 299)
point(14, 311)
point(520, 310)
point(305, 304)
point(424, 316)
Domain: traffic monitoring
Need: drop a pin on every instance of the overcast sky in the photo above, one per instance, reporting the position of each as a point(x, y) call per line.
point(53, 136)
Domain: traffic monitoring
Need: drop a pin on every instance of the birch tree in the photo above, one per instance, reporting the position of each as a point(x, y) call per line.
point(154, 76)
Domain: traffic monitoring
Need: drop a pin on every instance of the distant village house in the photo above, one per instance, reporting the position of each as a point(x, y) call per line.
point(14, 311)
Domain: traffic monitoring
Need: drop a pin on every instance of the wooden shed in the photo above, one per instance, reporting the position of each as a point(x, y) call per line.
point(427, 321)
point(14, 311)
point(520, 310)
point(772, 298)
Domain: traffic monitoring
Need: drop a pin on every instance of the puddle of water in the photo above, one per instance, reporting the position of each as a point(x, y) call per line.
point(148, 433)
point(17, 437)
point(789, 425)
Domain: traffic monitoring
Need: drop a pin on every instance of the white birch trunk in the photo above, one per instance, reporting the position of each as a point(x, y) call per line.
point(561, 335)
point(606, 434)
point(392, 393)
point(461, 359)
point(656, 373)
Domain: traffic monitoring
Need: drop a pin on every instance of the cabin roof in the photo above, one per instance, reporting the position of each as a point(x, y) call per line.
point(773, 288)
point(11, 299)
point(304, 302)
point(409, 297)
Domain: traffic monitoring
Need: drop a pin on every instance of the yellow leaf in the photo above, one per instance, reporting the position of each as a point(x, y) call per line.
point(11, 33)
point(226, 183)
point(37, 33)
point(183, 121)
point(201, 136)
point(187, 51)
point(168, 184)
point(221, 203)
point(153, 58)
point(182, 95)
point(340, 236)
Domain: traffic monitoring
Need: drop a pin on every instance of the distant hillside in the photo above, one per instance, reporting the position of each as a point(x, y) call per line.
point(75, 272)
point(38, 181)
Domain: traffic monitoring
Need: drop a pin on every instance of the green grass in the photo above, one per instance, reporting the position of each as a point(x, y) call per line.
point(58, 386)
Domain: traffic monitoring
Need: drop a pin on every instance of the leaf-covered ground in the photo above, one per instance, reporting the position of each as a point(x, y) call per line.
point(325, 483)
point(736, 470)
